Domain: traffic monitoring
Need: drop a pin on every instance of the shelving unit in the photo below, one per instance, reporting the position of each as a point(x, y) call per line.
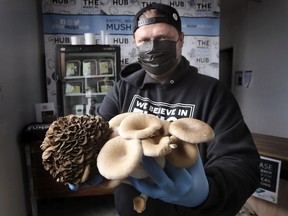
point(86, 73)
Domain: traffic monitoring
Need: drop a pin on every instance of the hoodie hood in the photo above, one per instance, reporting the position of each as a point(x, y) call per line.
point(132, 72)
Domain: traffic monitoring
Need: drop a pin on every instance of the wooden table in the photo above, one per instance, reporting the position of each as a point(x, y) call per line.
point(273, 147)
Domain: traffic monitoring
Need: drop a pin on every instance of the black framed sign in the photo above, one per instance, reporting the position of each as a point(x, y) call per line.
point(270, 176)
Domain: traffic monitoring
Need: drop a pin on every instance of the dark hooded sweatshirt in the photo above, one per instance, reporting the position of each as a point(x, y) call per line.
point(231, 160)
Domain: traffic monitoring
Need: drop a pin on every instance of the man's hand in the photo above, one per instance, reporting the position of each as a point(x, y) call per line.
point(98, 179)
point(186, 187)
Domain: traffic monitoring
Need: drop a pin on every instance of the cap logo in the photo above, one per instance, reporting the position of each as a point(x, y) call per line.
point(152, 20)
point(175, 16)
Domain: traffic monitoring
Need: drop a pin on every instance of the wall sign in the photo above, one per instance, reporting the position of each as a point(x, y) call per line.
point(270, 176)
point(63, 19)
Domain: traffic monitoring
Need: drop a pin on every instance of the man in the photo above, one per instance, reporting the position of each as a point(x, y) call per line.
point(164, 84)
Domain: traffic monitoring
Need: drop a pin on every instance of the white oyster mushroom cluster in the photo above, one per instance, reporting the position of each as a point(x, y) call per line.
point(138, 134)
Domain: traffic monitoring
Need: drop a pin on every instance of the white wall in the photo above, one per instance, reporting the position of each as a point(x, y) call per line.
point(21, 86)
point(258, 32)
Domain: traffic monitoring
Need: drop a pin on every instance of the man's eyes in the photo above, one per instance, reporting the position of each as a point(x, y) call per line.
point(157, 38)
point(161, 38)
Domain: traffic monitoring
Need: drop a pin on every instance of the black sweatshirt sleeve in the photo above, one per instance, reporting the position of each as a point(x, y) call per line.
point(231, 159)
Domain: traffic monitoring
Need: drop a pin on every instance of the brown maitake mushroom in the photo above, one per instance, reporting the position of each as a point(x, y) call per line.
point(71, 146)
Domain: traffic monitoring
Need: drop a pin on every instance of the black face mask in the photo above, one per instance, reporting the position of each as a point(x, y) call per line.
point(157, 56)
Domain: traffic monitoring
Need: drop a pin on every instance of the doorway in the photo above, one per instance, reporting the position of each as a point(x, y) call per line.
point(226, 67)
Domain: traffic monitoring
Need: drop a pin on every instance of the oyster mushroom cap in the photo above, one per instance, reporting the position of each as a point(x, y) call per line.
point(114, 123)
point(119, 157)
point(116, 120)
point(139, 126)
point(184, 155)
point(191, 130)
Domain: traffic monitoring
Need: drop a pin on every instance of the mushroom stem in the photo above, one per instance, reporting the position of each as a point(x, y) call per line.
point(139, 202)
point(157, 146)
point(173, 146)
point(173, 142)
point(184, 155)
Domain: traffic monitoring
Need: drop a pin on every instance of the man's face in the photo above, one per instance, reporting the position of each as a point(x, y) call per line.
point(159, 31)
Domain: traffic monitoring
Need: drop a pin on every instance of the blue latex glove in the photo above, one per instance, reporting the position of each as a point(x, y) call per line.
point(98, 179)
point(186, 187)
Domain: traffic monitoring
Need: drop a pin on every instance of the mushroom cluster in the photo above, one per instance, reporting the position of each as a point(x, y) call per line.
point(71, 146)
point(138, 134)
point(76, 148)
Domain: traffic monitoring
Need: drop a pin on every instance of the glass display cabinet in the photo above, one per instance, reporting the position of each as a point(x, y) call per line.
point(85, 74)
